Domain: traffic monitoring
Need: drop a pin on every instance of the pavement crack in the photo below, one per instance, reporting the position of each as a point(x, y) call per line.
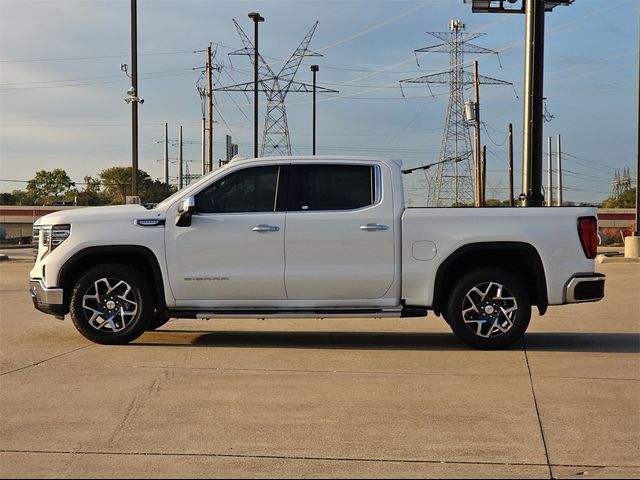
point(325, 458)
point(40, 362)
point(132, 409)
point(535, 402)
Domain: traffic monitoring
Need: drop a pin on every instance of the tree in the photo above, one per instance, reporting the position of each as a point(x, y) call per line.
point(49, 186)
point(625, 200)
point(22, 197)
point(91, 195)
point(154, 191)
point(8, 199)
point(117, 185)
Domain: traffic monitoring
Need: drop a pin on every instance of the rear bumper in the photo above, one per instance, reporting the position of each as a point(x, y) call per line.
point(585, 288)
point(47, 300)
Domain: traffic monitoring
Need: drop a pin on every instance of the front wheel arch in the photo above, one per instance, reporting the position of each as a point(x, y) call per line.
point(136, 256)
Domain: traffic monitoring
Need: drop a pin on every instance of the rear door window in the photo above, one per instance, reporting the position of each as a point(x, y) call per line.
point(331, 187)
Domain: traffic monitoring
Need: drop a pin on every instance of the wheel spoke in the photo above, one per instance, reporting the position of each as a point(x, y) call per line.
point(489, 309)
point(110, 303)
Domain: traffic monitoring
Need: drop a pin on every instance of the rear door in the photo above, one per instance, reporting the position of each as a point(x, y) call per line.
point(339, 243)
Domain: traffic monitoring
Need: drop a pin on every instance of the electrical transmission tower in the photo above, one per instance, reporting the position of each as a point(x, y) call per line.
point(275, 136)
point(453, 182)
point(621, 182)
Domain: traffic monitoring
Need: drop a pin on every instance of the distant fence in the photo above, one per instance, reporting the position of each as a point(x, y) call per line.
point(616, 217)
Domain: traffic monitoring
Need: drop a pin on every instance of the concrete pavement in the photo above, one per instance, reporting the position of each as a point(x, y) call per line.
point(322, 398)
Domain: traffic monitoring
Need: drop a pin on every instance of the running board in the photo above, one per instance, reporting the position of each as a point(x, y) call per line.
point(298, 313)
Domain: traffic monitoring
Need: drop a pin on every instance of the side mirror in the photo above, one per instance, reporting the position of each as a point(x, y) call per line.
point(185, 211)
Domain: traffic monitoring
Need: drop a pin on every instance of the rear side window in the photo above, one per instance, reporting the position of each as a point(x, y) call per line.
point(331, 187)
point(248, 190)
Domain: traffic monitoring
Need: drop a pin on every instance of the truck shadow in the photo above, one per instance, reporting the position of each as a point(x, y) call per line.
point(544, 342)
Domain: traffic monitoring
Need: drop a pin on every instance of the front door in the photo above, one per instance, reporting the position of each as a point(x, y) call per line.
point(234, 248)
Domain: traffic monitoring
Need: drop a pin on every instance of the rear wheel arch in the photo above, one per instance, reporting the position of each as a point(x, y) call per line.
point(519, 258)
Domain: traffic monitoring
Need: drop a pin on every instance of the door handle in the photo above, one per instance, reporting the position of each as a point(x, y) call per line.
point(265, 228)
point(372, 227)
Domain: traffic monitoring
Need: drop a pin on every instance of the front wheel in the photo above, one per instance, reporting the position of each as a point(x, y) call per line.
point(111, 304)
point(489, 309)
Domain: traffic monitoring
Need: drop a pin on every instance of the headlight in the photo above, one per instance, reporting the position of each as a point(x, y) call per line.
point(51, 236)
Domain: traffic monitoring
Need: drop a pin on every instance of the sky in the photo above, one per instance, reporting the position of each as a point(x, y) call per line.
point(62, 92)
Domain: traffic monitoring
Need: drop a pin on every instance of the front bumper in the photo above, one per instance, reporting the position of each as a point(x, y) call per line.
point(585, 288)
point(47, 300)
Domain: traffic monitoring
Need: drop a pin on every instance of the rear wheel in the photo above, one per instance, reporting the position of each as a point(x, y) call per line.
point(489, 308)
point(111, 304)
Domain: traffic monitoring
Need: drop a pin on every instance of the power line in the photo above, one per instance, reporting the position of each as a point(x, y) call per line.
point(97, 57)
point(145, 76)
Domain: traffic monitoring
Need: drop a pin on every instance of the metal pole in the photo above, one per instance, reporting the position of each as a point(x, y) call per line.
point(511, 165)
point(166, 153)
point(203, 154)
point(134, 104)
point(180, 174)
point(257, 18)
point(533, 90)
point(637, 232)
point(476, 99)
point(314, 69)
point(483, 188)
point(210, 106)
point(549, 174)
point(559, 195)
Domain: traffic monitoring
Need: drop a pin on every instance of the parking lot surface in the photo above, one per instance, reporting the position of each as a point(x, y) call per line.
point(322, 398)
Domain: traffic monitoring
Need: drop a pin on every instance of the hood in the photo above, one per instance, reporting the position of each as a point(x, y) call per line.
point(92, 214)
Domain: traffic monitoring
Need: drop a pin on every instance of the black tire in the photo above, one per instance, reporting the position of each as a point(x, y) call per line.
point(111, 304)
point(495, 320)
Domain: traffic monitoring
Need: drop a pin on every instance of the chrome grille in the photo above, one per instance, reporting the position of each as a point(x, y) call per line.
point(35, 240)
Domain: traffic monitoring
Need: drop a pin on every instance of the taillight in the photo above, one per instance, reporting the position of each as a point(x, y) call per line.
point(588, 233)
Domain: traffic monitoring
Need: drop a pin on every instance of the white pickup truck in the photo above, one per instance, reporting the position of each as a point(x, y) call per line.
point(311, 237)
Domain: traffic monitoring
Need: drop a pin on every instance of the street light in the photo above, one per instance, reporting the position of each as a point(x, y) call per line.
point(314, 69)
point(257, 18)
point(508, 6)
point(534, 11)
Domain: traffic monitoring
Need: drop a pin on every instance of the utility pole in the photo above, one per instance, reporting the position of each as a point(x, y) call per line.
point(314, 69)
point(180, 167)
point(210, 105)
point(134, 104)
point(632, 243)
point(476, 100)
point(549, 174)
point(257, 18)
point(559, 195)
point(483, 172)
point(166, 153)
point(511, 165)
point(203, 141)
